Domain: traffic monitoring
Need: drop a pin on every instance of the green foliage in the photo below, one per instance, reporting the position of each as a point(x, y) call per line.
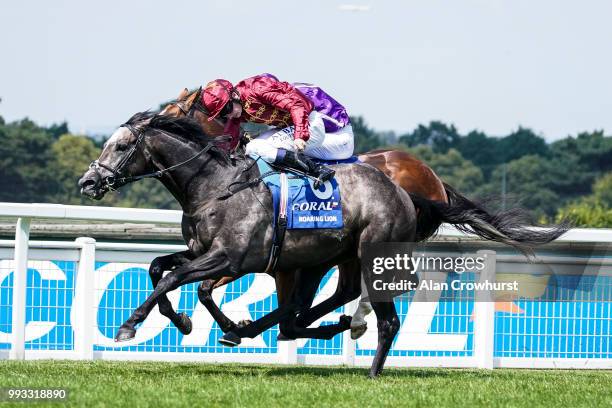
point(25, 152)
point(594, 210)
point(602, 190)
point(57, 130)
point(452, 168)
point(587, 214)
point(570, 177)
point(481, 150)
point(591, 150)
point(40, 165)
point(71, 157)
point(438, 135)
point(366, 139)
point(521, 143)
point(529, 179)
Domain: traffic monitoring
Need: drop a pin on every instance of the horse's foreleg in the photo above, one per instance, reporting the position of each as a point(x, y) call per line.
point(209, 266)
point(156, 272)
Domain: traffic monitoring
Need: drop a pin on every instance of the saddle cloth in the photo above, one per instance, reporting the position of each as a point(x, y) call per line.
point(304, 206)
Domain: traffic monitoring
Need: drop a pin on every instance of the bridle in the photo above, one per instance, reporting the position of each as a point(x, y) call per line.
point(195, 106)
point(117, 180)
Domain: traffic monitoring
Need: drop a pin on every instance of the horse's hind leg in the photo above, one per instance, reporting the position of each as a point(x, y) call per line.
point(205, 295)
point(382, 303)
point(347, 290)
point(286, 283)
point(295, 289)
point(156, 271)
point(388, 326)
point(303, 294)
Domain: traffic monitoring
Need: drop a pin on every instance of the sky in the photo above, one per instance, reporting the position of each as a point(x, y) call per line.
point(491, 65)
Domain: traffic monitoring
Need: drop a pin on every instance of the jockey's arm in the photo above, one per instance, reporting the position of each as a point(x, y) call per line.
point(232, 128)
point(284, 96)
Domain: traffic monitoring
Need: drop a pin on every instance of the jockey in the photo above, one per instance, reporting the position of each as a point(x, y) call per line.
point(307, 122)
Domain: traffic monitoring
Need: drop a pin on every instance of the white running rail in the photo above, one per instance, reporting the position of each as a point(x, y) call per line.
point(475, 334)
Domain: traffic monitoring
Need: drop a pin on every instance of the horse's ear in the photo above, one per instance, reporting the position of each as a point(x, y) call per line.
point(183, 94)
point(194, 96)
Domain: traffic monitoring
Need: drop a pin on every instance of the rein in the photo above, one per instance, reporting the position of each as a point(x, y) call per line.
point(117, 179)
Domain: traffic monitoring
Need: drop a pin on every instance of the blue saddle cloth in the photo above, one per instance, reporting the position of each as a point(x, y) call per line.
point(307, 207)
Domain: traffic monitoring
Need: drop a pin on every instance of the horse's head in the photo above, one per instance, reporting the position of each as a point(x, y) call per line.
point(150, 145)
point(123, 155)
point(189, 104)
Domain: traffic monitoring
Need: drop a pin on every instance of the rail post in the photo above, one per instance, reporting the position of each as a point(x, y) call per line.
point(20, 281)
point(82, 306)
point(484, 314)
point(287, 352)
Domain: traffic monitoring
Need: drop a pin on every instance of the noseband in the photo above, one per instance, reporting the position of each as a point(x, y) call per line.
point(117, 180)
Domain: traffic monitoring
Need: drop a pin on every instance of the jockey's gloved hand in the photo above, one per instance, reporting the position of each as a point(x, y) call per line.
point(300, 144)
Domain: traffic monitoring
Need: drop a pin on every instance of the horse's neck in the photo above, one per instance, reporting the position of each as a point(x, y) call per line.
point(197, 182)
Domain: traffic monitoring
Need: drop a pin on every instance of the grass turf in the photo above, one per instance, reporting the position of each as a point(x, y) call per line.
point(156, 384)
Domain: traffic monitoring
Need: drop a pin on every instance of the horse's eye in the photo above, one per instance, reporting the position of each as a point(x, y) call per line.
point(122, 146)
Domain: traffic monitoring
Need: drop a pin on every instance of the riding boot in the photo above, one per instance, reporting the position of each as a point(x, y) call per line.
point(305, 164)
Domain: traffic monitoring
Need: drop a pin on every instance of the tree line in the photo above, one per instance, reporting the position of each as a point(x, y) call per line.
point(571, 177)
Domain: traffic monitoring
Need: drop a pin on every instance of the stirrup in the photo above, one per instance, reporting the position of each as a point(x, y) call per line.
point(322, 174)
point(318, 171)
point(320, 179)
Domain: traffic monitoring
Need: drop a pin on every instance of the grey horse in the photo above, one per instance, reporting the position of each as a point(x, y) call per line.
point(232, 237)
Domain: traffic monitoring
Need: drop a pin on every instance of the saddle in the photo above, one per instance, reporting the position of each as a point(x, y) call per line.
point(297, 204)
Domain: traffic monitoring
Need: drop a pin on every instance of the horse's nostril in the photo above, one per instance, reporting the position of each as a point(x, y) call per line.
point(87, 183)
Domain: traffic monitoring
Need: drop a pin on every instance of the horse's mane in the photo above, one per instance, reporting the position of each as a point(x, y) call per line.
point(183, 127)
point(140, 117)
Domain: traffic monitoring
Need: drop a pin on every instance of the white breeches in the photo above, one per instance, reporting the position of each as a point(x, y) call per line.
point(327, 146)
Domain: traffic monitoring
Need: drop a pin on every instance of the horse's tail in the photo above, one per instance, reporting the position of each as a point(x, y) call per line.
point(513, 227)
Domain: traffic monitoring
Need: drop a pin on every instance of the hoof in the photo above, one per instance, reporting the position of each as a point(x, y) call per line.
point(358, 331)
point(125, 334)
point(282, 337)
point(243, 323)
point(230, 339)
point(185, 325)
point(345, 322)
point(373, 375)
